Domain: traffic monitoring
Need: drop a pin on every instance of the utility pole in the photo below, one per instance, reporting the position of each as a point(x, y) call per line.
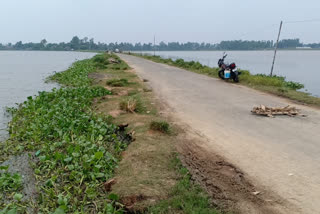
point(154, 45)
point(275, 50)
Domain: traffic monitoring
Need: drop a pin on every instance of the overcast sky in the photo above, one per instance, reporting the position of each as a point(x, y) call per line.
point(170, 20)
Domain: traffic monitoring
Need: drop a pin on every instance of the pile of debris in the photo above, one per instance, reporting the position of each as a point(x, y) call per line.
point(270, 111)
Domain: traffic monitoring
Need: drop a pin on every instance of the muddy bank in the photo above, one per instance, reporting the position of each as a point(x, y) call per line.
point(228, 187)
point(22, 165)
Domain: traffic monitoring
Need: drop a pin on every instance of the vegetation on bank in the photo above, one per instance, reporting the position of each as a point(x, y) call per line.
point(9, 182)
point(150, 178)
point(185, 196)
point(132, 104)
point(118, 82)
point(276, 85)
point(76, 149)
point(161, 126)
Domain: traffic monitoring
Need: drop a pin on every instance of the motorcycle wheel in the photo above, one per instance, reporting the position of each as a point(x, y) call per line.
point(236, 78)
point(221, 74)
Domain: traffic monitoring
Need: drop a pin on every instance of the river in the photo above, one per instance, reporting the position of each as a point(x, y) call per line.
point(23, 73)
point(297, 65)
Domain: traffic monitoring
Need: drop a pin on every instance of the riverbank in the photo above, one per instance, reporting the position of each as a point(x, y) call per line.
point(275, 85)
point(96, 145)
point(71, 150)
point(22, 74)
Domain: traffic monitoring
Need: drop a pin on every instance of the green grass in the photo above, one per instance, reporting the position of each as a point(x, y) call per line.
point(77, 150)
point(76, 75)
point(9, 182)
point(101, 61)
point(118, 82)
point(186, 197)
point(276, 85)
point(192, 65)
point(161, 126)
point(10, 188)
point(132, 104)
point(265, 80)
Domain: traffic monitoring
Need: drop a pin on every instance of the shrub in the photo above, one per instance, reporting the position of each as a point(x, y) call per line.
point(179, 62)
point(132, 104)
point(118, 66)
point(294, 85)
point(161, 126)
point(261, 79)
point(197, 65)
point(265, 80)
point(128, 105)
point(101, 60)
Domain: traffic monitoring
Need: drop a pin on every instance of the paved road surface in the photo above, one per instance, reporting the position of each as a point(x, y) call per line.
point(281, 154)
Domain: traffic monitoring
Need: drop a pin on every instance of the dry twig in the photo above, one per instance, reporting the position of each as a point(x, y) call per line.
point(271, 111)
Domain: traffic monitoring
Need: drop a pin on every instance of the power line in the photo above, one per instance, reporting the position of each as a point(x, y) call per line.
point(301, 21)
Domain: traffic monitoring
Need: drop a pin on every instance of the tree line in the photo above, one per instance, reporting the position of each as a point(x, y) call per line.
point(89, 44)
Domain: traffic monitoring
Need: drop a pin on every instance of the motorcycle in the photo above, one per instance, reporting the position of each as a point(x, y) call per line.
point(228, 71)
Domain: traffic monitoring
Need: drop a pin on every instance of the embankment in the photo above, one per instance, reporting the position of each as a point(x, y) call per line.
point(70, 150)
point(275, 85)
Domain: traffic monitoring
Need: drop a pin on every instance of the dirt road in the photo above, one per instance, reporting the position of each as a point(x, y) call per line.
point(280, 154)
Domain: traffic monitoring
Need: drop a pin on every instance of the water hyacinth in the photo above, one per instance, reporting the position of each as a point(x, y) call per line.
point(76, 149)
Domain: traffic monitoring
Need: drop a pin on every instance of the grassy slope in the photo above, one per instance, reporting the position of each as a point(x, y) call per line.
point(273, 85)
point(150, 178)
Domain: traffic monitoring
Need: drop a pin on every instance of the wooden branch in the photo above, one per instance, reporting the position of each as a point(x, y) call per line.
point(271, 111)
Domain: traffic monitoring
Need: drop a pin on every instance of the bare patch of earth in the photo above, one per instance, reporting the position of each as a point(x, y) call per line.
point(22, 165)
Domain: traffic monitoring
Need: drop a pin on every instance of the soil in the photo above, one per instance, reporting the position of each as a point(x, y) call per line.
point(21, 164)
point(227, 186)
point(131, 201)
point(144, 175)
point(97, 76)
point(115, 113)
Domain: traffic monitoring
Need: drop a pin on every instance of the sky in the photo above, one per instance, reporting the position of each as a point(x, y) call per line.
point(169, 20)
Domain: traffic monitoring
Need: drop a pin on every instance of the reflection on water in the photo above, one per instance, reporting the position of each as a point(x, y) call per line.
point(22, 74)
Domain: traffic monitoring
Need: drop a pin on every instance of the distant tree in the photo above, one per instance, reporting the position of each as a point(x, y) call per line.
point(290, 43)
point(44, 42)
point(89, 44)
point(75, 42)
point(84, 40)
point(18, 45)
